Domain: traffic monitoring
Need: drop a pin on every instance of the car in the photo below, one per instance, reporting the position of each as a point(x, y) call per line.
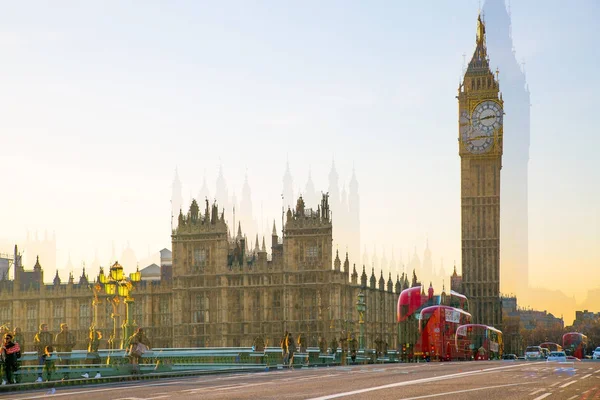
point(596, 354)
point(558, 356)
point(509, 357)
point(534, 353)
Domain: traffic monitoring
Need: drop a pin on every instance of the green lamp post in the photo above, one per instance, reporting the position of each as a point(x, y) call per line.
point(361, 307)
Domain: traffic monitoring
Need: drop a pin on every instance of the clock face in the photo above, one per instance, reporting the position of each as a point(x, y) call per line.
point(485, 120)
point(487, 116)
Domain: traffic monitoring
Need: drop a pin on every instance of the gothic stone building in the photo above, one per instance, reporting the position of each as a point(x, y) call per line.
point(220, 293)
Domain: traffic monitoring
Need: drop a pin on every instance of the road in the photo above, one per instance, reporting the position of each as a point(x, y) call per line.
point(454, 380)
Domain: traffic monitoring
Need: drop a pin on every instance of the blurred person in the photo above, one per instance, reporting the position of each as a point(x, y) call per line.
point(41, 340)
point(11, 352)
point(138, 345)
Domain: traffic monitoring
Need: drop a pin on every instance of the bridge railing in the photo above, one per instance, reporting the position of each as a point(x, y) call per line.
point(107, 363)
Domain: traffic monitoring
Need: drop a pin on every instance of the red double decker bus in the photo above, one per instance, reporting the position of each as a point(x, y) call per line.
point(437, 332)
point(479, 342)
point(410, 302)
point(575, 344)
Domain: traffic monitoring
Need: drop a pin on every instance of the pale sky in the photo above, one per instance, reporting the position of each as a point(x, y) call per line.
point(102, 100)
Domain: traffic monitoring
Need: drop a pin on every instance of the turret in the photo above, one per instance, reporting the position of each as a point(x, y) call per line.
point(354, 276)
point(363, 278)
point(274, 237)
point(194, 209)
point(372, 280)
point(337, 263)
point(83, 279)
point(347, 267)
point(56, 280)
point(430, 292)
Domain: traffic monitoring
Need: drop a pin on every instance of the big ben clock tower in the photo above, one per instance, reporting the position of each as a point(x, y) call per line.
point(480, 115)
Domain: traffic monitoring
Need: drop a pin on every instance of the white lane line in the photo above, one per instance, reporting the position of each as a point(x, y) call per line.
point(542, 396)
point(427, 396)
point(567, 384)
point(583, 377)
point(537, 391)
point(555, 383)
point(92, 390)
point(573, 397)
point(208, 388)
point(415, 382)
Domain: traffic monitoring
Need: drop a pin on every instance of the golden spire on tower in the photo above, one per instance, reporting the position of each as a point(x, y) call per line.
point(480, 31)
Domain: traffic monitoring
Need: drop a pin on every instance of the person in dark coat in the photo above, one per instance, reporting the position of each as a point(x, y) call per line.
point(11, 352)
point(138, 344)
point(42, 340)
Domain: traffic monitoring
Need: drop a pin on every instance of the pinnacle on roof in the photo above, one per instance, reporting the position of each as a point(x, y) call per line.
point(274, 229)
point(264, 248)
point(56, 278)
point(479, 62)
point(37, 263)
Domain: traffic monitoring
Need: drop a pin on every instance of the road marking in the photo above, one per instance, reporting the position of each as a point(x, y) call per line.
point(542, 396)
point(555, 383)
point(573, 397)
point(566, 384)
point(92, 390)
point(208, 388)
point(583, 377)
point(459, 391)
point(415, 382)
point(537, 391)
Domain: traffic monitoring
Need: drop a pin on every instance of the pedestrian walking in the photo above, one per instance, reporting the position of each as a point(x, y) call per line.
point(48, 362)
point(64, 343)
point(291, 349)
point(138, 345)
point(41, 340)
point(11, 352)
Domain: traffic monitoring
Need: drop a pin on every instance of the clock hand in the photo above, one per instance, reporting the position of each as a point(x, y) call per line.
point(477, 138)
point(488, 117)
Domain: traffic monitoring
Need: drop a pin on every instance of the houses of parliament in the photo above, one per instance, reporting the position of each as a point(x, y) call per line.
point(215, 289)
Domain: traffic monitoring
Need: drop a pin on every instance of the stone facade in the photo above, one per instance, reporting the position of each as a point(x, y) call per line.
point(480, 113)
point(217, 292)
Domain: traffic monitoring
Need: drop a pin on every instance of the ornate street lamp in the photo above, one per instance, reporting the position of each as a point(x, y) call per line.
point(96, 288)
point(361, 307)
point(117, 285)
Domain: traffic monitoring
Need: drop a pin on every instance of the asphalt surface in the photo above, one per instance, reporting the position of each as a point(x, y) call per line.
point(455, 380)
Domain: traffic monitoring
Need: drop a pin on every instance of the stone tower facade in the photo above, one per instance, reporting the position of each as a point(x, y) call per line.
point(480, 114)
